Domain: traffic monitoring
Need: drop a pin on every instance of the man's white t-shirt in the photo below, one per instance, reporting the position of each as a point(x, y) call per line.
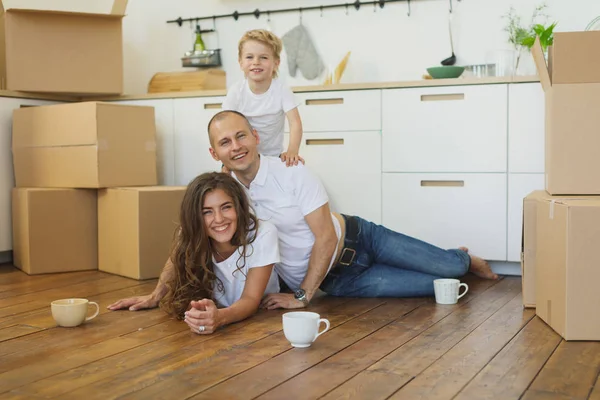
point(265, 112)
point(284, 195)
point(263, 251)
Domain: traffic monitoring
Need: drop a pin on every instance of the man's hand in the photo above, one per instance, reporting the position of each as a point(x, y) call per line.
point(281, 300)
point(291, 158)
point(135, 303)
point(203, 313)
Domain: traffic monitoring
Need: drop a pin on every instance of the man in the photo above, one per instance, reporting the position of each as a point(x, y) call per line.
point(342, 255)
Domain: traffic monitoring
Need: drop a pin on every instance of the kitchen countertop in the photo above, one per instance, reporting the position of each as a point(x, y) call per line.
point(296, 89)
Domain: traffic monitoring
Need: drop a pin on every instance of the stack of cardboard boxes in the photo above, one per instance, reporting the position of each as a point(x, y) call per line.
point(561, 225)
point(86, 194)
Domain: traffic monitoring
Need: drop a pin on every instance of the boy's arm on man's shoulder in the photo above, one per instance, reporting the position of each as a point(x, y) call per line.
point(295, 123)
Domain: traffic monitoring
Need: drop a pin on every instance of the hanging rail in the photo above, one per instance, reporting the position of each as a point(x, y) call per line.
point(257, 13)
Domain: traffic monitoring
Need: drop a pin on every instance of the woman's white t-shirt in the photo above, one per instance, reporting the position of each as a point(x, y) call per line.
point(265, 112)
point(263, 251)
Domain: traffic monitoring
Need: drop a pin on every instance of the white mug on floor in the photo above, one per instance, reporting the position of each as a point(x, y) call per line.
point(446, 290)
point(301, 328)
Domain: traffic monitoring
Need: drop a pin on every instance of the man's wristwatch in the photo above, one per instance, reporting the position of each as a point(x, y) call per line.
point(300, 294)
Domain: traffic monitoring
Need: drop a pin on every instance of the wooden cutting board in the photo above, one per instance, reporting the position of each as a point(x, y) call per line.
point(202, 79)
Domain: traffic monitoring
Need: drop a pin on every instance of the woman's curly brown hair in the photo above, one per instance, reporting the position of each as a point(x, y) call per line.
point(193, 275)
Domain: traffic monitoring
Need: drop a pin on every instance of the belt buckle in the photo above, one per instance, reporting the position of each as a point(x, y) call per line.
point(341, 262)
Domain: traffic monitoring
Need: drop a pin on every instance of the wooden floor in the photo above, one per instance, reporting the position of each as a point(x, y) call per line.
point(486, 347)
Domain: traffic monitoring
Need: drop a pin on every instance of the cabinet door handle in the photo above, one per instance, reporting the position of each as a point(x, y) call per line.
point(443, 97)
point(321, 142)
point(212, 106)
point(443, 183)
point(323, 102)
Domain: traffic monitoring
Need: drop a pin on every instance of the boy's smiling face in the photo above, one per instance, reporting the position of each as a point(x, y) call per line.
point(258, 61)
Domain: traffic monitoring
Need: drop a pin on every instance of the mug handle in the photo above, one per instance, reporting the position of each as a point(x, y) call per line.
point(97, 310)
point(465, 292)
point(326, 321)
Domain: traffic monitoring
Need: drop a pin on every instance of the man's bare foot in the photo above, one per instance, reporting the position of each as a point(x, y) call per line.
point(479, 266)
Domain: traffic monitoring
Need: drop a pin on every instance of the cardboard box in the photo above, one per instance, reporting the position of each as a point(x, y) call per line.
point(62, 52)
point(572, 87)
point(135, 229)
point(54, 230)
point(84, 145)
point(529, 246)
point(568, 238)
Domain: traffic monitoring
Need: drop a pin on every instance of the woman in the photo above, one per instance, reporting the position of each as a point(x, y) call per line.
point(221, 256)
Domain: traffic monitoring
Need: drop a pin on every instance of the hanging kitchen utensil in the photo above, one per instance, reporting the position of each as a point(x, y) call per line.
point(452, 59)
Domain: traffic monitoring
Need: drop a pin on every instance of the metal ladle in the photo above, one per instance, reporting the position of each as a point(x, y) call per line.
point(452, 59)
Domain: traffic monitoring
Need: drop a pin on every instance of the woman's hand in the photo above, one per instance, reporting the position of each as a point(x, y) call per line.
point(203, 317)
point(135, 303)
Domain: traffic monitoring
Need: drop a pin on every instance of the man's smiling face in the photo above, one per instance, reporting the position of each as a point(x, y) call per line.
point(233, 142)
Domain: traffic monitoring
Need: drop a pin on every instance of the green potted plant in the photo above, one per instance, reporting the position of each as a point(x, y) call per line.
point(523, 37)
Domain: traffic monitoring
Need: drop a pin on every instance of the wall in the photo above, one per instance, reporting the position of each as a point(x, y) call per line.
point(386, 45)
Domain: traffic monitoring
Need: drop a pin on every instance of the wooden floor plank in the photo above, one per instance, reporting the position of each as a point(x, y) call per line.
point(54, 281)
point(595, 394)
point(42, 318)
point(172, 379)
point(447, 376)
point(20, 304)
point(269, 374)
point(570, 373)
point(337, 369)
point(509, 374)
point(101, 375)
point(60, 341)
point(16, 331)
point(385, 377)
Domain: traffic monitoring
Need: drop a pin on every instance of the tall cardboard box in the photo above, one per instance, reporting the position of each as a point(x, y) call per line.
point(135, 229)
point(529, 246)
point(571, 82)
point(568, 239)
point(84, 145)
point(54, 230)
point(62, 52)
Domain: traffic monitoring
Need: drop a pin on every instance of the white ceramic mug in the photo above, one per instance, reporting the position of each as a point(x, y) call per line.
point(301, 328)
point(446, 290)
point(72, 312)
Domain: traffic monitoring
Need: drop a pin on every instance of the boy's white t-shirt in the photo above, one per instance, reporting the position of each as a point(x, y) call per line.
point(265, 112)
point(263, 251)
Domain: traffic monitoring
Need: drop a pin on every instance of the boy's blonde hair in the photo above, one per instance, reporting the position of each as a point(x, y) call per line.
point(265, 37)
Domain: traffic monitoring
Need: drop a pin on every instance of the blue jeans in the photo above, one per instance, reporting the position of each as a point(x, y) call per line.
point(390, 264)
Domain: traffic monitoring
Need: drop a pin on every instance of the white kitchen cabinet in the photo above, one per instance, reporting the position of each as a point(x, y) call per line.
point(191, 144)
point(349, 165)
point(449, 210)
point(341, 111)
point(519, 186)
point(163, 112)
point(445, 129)
point(7, 180)
point(526, 113)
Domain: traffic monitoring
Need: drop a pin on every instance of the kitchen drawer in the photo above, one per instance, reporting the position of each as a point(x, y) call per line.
point(349, 165)
point(357, 110)
point(449, 210)
point(519, 186)
point(445, 129)
point(526, 112)
point(190, 148)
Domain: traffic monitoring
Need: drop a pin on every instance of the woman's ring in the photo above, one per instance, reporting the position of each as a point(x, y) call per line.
point(201, 328)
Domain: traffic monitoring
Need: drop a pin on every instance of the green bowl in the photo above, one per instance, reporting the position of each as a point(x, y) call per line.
point(445, 71)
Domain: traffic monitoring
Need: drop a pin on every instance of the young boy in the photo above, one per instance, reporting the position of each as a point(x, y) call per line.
point(263, 98)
